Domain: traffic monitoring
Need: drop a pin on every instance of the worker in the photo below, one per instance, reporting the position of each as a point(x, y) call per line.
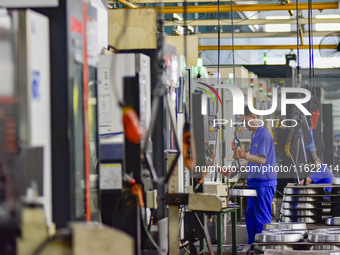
point(321, 173)
point(261, 158)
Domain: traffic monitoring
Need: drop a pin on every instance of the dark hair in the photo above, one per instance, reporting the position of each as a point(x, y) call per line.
point(247, 112)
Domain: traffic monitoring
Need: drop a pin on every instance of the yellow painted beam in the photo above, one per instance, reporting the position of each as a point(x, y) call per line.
point(263, 47)
point(128, 4)
point(247, 22)
point(260, 34)
point(243, 8)
point(188, 1)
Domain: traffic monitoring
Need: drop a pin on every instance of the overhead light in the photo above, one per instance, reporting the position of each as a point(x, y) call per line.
point(333, 16)
point(176, 16)
point(327, 26)
point(277, 27)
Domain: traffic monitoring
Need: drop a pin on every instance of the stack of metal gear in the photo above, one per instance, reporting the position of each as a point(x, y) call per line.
point(280, 236)
point(325, 238)
point(335, 204)
point(305, 204)
point(294, 236)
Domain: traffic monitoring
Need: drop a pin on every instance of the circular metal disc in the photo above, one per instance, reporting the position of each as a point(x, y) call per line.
point(304, 191)
point(324, 230)
point(242, 193)
point(301, 199)
point(324, 237)
point(289, 212)
point(302, 219)
point(287, 247)
point(328, 247)
point(279, 237)
point(284, 226)
point(286, 205)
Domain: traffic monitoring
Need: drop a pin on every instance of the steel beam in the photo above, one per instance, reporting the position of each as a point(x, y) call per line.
point(128, 4)
point(243, 8)
point(264, 47)
point(188, 1)
point(261, 34)
point(247, 22)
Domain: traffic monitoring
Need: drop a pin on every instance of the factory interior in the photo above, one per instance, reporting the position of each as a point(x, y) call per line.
point(155, 127)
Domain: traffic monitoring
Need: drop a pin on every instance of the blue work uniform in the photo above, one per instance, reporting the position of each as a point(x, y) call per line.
point(262, 178)
point(322, 175)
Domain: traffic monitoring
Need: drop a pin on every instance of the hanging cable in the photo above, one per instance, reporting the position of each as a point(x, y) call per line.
point(218, 42)
point(233, 40)
point(311, 54)
point(297, 44)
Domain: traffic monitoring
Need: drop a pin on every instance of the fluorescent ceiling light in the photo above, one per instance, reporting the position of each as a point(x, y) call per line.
point(333, 16)
point(277, 27)
point(327, 27)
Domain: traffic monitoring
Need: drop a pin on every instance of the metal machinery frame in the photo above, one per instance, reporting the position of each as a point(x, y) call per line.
point(122, 158)
point(9, 136)
point(74, 137)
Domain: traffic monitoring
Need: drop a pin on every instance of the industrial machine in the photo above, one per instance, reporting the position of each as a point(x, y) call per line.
point(124, 81)
point(35, 104)
point(112, 70)
point(25, 131)
point(74, 115)
point(9, 137)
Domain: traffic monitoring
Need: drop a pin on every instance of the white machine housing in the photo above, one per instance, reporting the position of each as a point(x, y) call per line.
point(34, 90)
point(112, 69)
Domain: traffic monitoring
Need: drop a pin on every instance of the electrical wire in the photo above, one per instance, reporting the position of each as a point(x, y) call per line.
point(205, 246)
point(180, 227)
point(311, 53)
point(233, 41)
point(200, 252)
point(298, 43)
point(218, 42)
point(242, 20)
point(148, 234)
point(181, 22)
point(248, 59)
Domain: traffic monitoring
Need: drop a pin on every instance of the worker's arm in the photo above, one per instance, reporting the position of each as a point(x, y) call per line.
point(257, 159)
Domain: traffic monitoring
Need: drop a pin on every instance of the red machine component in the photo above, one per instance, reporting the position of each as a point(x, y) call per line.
point(315, 118)
point(133, 130)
